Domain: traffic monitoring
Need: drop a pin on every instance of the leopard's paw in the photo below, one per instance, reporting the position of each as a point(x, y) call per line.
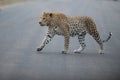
point(77, 51)
point(101, 52)
point(39, 49)
point(64, 52)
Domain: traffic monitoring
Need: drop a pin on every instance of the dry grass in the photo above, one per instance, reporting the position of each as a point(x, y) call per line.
point(6, 2)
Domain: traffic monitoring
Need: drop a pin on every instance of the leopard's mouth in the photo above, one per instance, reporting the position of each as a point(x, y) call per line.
point(41, 25)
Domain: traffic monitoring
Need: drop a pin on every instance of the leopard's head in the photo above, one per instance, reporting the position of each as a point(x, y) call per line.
point(45, 19)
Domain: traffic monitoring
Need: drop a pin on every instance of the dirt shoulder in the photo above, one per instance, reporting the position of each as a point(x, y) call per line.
point(7, 2)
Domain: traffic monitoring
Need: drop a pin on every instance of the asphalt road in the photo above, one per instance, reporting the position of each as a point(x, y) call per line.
point(20, 35)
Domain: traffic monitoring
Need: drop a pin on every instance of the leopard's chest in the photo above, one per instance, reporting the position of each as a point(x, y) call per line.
point(57, 31)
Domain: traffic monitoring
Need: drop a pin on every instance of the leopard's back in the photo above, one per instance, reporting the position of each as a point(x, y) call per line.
point(78, 24)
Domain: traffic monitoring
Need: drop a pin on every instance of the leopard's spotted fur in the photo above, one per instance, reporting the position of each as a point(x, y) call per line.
point(60, 24)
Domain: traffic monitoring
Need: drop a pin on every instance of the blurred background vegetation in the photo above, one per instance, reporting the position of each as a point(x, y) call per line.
point(6, 2)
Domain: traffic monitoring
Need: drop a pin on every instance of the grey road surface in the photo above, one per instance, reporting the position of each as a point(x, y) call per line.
point(20, 35)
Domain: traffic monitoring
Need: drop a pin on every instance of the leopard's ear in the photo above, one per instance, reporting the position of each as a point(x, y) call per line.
point(50, 14)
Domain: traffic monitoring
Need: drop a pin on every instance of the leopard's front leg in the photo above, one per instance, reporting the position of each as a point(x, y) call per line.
point(66, 40)
point(66, 44)
point(46, 40)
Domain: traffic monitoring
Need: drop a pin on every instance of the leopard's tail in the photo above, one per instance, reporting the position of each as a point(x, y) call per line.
point(108, 38)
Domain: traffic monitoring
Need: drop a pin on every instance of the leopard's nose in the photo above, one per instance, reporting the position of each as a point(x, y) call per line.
point(39, 22)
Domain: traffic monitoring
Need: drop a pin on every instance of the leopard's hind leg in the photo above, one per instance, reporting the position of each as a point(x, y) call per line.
point(92, 30)
point(96, 36)
point(81, 39)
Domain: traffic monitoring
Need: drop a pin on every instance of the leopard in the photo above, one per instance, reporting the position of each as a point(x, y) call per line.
point(60, 24)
